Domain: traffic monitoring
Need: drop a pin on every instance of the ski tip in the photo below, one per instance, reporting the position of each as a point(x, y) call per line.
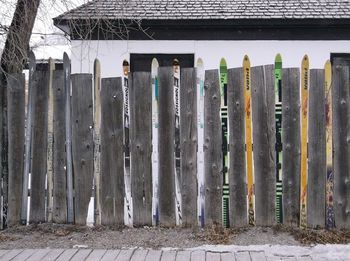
point(199, 63)
point(155, 63)
point(51, 63)
point(278, 58)
point(65, 56)
point(31, 56)
point(176, 62)
point(126, 68)
point(327, 64)
point(96, 65)
point(223, 62)
point(246, 61)
point(31, 61)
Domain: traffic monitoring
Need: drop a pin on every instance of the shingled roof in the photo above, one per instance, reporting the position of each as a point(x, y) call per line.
point(210, 9)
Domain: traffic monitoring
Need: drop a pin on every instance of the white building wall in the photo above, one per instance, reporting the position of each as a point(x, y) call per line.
point(112, 53)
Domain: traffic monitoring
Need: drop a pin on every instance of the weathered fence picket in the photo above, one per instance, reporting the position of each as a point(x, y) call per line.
point(59, 209)
point(141, 147)
point(212, 150)
point(316, 195)
point(237, 166)
point(15, 121)
point(264, 138)
point(39, 147)
point(291, 145)
point(341, 133)
point(166, 148)
point(112, 156)
point(82, 144)
point(188, 138)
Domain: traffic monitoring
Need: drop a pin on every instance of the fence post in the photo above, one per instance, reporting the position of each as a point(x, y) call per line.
point(212, 150)
point(291, 145)
point(166, 148)
point(39, 147)
point(141, 147)
point(316, 195)
point(264, 137)
point(188, 125)
point(341, 133)
point(237, 169)
point(59, 209)
point(112, 155)
point(16, 113)
point(82, 144)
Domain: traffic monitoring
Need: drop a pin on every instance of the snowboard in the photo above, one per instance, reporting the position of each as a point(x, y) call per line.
point(155, 126)
point(278, 117)
point(200, 133)
point(224, 134)
point(28, 138)
point(69, 163)
point(248, 138)
point(176, 68)
point(126, 117)
point(97, 140)
point(329, 145)
point(304, 140)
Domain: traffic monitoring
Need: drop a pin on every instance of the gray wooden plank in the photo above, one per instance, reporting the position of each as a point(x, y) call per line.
point(139, 255)
point(341, 132)
point(66, 254)
point(38, 255)
point(168, 255)
point(39, 147)
point(11, 254)
point(242, 256)
point(125, 254)
point(237, 169)
point(141, 147)
point(212, 150)
point(198, 255)
point(59, 210)
point(153, 255)
point(291, 145)
point(212, 256)
point(110, 255)
point(316, 195)
point(82, 144)
point(53, 254)
point(184, 255)
point(228, 256)
point(26, 253)
point(15, 121)
point(257, 256)
point(188, 139)
point(166, 148)
point(82, 254)
point(273, 258)
point(289, 258)
point(96, 254)
point(264, 136)
point(112, 156)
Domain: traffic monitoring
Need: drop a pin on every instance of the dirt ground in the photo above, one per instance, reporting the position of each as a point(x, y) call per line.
point(66, 236)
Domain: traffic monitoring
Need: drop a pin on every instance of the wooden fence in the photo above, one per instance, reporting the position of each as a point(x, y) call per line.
point(110, 185)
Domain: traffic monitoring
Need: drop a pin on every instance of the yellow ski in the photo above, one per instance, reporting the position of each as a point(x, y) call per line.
point(304, 130)
point(329, 151)
point(248, 138)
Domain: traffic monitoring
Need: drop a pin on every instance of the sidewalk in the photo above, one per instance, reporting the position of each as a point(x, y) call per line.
point(208, 253)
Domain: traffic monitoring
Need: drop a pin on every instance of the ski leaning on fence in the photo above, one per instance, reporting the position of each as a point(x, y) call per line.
point(224, 131)
point(304, 140)
point(28, 139)
point(329, 147)
point(200, 133)
point(128, 199)
point(69, 167)
point(176, 68)
point(97, 140)
point(155, 128)
point(50, 144)
point(278, 117)
point(248, 138)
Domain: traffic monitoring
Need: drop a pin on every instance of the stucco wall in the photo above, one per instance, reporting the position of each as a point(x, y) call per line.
point(112, 53)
